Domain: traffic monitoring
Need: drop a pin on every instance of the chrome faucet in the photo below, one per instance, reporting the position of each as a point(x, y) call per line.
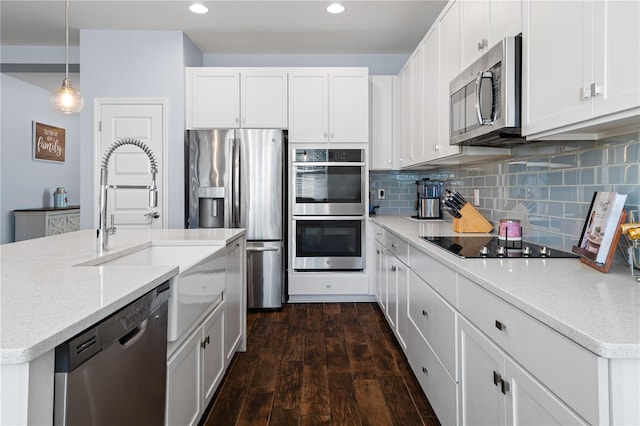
point(103, 231)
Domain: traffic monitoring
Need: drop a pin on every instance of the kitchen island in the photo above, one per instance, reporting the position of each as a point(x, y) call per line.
point(50, 292)
point(574, 331)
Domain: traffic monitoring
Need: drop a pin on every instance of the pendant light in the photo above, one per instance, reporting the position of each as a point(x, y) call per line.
point(67, 99)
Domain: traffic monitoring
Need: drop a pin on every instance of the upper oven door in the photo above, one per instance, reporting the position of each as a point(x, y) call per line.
point(328, 182)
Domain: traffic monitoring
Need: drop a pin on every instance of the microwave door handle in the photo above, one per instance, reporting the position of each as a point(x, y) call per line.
point(478, 107)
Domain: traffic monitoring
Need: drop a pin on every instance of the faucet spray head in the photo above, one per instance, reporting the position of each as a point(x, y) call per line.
point(153, 190)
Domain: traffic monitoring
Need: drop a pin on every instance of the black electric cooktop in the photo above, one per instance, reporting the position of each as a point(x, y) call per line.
point(490, 246)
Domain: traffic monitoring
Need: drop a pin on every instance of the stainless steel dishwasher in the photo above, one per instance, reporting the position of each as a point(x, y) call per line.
point(114, 373)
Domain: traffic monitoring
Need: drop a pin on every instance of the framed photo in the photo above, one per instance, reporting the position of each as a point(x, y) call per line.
point(48, 142)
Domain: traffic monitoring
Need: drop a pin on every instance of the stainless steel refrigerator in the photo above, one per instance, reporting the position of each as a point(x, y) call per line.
point(235, 179)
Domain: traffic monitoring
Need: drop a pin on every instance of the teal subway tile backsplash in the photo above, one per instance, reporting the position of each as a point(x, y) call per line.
point(547, 185)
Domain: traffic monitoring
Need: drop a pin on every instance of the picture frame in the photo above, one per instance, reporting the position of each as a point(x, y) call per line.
point(48, 142)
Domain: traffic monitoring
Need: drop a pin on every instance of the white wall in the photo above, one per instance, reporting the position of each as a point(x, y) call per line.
point(24, 182)
point(130, 64)
point(378, 64)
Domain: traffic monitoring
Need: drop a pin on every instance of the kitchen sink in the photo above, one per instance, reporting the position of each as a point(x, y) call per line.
point(196, 289)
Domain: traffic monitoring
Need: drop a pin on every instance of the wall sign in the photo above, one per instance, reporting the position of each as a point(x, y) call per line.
point(48, 142)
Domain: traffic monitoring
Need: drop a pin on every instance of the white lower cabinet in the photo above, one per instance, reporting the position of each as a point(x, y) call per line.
point(234, 297)
point(494, 390)
point(195, 370)
point(438, 386)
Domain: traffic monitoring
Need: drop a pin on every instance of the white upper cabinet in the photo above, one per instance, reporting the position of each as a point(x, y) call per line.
point(449, 68)
point(213, 98)
point(234, 98)
point(485, 23)
point(405, 149)
point(264, 99)
point(616, 56)
point(381, 98)
point(417, 105)
point(308, 106)
point(431, 90)
point(329, 105)
point(581, 61)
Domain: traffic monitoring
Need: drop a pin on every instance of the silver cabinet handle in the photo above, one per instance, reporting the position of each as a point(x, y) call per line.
point(394, 246)
point(425, 313)
point(500, 326)
point(425, 370)
point(393, 268)
point(595, 89)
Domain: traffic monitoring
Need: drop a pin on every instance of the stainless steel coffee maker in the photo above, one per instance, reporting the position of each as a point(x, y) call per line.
point(428, 202)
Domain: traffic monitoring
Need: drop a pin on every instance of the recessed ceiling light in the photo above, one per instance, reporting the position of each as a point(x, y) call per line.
point(198, 8)
point(335, 8)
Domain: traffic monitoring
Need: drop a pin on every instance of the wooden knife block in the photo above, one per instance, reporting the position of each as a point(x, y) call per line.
point(471, 221)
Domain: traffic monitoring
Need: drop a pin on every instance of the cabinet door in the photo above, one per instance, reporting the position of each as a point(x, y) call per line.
point(184, 383)
point(402, 324)
point(449, 27)
point(475, 30)
point(308, 106)
point(349, 106)
point(213, 352)
point(529, 403)
point(407, 117)
point(616, 56)
point(392, 290)
point(56, 224)
point(234, 300)
point(264, 99)
point(481, 368)
point(557, 59)
point(73, 222)
point(431, 116)
point(505, 20)
point(213, 98)
point(381, 122)
point(417, 105)
point(379, 253)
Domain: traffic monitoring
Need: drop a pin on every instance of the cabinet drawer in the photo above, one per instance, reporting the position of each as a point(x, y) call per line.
point(434, 273)
point(576, 375)
point(435, 320)
point(327, 285)
point(396, 246)
point(436, 383)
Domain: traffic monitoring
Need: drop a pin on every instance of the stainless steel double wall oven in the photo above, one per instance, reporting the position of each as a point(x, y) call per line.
point(328, 188)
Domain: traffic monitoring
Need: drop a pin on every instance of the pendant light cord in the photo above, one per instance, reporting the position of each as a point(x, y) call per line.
point(66, 44)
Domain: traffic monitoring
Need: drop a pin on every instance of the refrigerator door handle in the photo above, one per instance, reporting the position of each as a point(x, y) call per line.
point(235, 217)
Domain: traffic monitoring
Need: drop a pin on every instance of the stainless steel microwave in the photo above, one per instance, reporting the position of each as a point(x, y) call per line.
point(485, 99)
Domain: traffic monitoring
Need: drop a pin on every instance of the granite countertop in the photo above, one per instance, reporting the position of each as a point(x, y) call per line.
point(46, 298)
point(600, 312)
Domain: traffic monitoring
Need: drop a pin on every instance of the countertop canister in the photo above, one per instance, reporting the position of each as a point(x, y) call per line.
point(59, 198)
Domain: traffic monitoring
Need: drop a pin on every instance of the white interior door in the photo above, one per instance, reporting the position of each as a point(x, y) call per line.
point(129, 165)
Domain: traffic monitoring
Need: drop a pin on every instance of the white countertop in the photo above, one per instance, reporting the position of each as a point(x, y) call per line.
point(46, 298)
point(599, 311)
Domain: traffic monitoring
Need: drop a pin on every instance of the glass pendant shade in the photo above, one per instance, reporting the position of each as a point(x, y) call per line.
point(67, 99)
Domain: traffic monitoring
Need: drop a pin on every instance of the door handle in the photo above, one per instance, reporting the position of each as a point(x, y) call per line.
point(481, 120)
point(262, 249)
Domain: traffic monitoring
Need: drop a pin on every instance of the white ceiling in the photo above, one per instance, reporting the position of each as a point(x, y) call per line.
point(238, 26)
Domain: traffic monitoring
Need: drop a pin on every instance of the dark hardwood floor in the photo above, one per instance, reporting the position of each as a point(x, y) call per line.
point(320, 364)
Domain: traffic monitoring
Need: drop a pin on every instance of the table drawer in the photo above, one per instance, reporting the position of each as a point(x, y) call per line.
point(435, 320)
point(439, 277)
point(576, 375)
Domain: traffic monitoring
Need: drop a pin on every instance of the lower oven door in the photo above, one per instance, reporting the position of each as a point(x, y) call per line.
point(328, 243)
